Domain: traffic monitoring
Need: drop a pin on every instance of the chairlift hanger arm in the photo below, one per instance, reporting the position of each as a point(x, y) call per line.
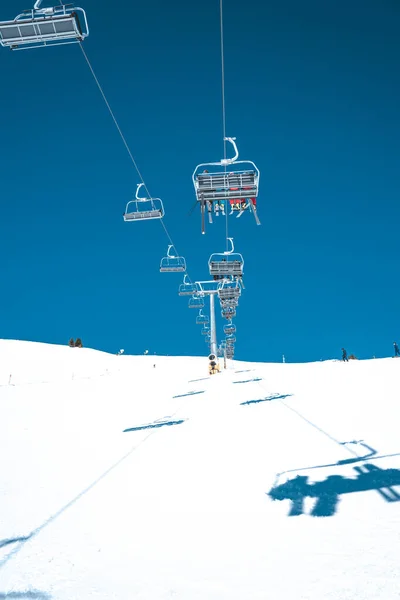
point(140, 198)
point(229, 161)
point(232, 246)
point(169, 255)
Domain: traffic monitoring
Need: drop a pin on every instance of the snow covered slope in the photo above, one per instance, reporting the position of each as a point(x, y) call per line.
point(121, 480)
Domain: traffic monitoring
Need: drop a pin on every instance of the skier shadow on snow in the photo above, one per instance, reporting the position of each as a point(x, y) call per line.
point(267, 399)
point(328, 492)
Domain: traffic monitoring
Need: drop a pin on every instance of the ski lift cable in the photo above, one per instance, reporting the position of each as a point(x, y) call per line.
point(124, 141)
point(221, 19)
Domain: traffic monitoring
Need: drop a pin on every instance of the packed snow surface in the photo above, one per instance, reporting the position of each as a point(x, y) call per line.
point(141, 477)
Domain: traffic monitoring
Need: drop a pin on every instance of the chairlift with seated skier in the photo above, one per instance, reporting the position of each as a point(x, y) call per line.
point(221, 190)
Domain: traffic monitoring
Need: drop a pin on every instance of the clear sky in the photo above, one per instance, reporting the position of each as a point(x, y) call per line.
point(312, 95)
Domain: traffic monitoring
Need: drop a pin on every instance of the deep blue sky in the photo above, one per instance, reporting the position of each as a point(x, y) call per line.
point(312, 92)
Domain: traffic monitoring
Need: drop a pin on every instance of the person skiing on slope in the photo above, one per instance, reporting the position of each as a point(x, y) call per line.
point(344, 355)
point(396, 349)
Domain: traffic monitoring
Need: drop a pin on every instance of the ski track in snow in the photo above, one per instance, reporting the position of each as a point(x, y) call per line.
point(284, 487)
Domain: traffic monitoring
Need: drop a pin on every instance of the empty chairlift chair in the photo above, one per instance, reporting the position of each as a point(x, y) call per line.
point(172, 263)
point(220, 190)
point(143, 209)
point(202, 319)
point(196, 302)
point(38, 27)
point(187, 288)
point(226, 264)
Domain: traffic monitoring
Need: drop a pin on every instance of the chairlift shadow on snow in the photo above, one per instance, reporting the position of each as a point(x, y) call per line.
point(328, 492)
point(345, 461)
point(266, 399)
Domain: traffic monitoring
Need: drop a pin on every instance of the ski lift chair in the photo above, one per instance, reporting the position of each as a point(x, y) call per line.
point(202, 319)
point(213, 183)
point(205, 330)
point(229, 290)
point(142, 209)
point(228, 313)
point(229, 329)
point(229, 303)
point(40, 27)
point(187, 288)
point(172, 263)
point(225, 264)
point(196, 302)
point(230, 340)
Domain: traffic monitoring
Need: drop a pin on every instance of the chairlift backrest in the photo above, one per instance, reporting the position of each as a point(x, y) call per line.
point(38, 27)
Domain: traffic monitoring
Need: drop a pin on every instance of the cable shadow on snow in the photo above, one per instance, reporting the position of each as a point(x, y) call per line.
point(20, 542)
point(266, 399)
point(9, 541)
point(328, 492)
point(248, 380)
point(188, 394)
point(30, 595)
point(154, 425)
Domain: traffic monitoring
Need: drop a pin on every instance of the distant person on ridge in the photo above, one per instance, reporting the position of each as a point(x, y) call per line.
point(396, 349)
point(344, 355)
